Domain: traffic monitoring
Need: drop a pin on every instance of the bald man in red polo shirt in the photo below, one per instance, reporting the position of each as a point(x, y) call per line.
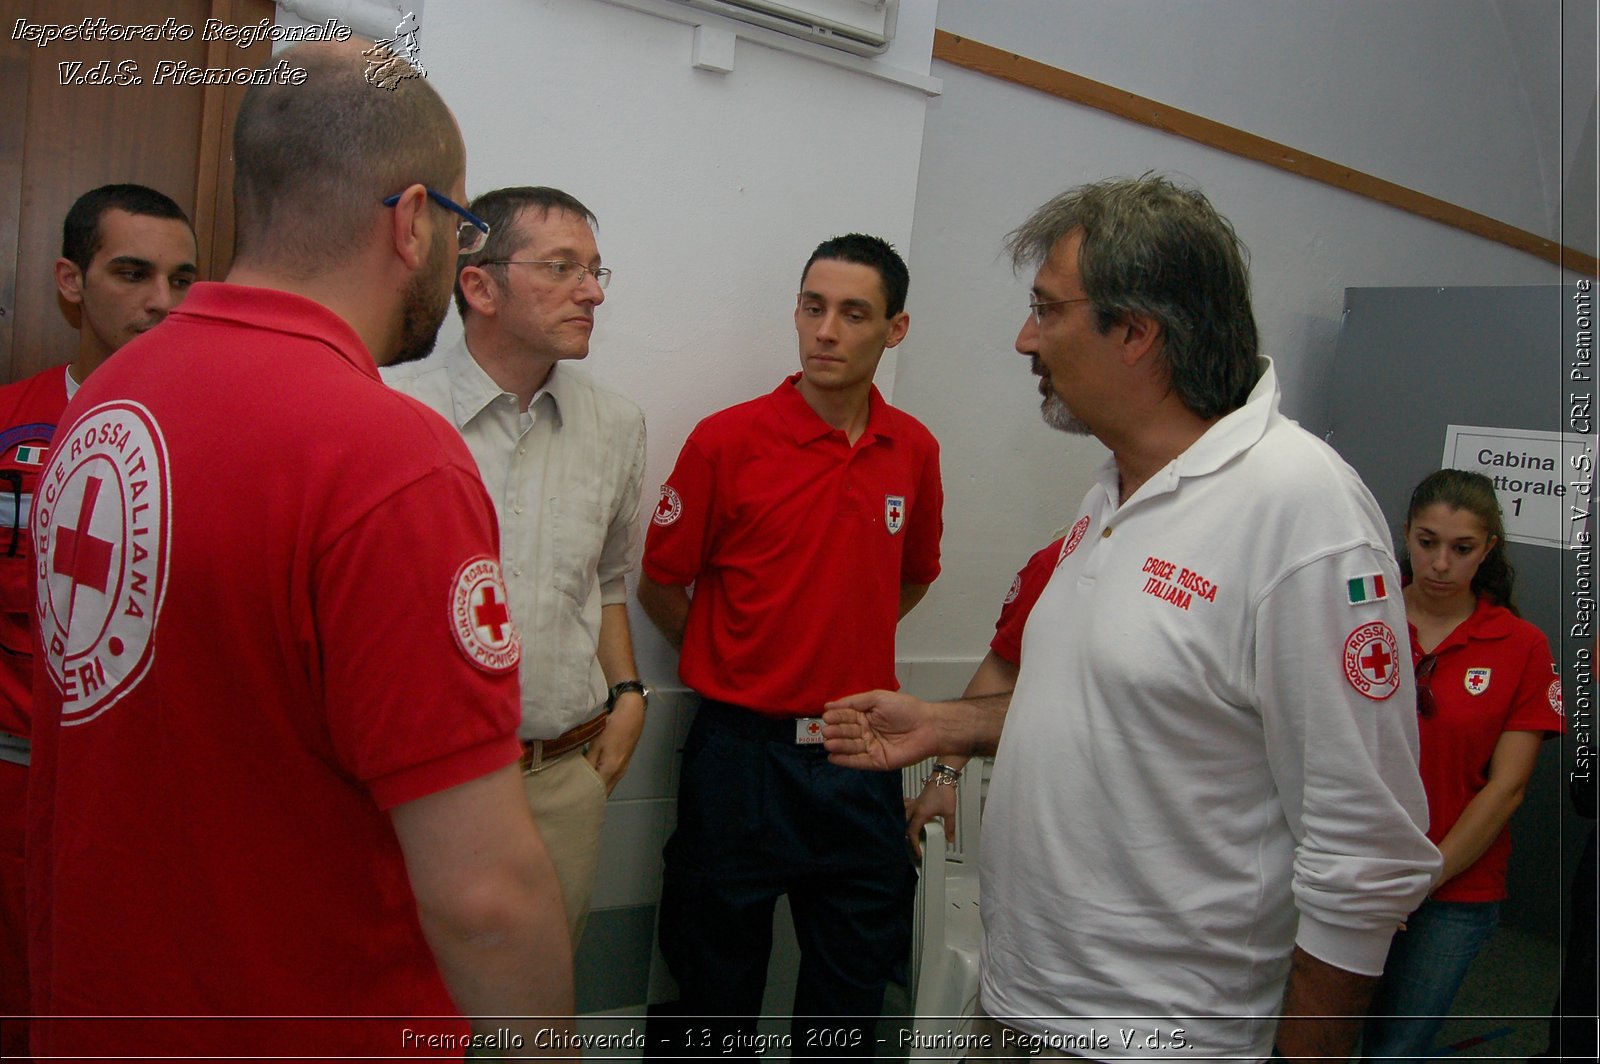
point(274, 780)
point(808, 523)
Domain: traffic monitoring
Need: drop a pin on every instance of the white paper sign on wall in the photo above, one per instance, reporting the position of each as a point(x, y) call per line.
point(1543, 479)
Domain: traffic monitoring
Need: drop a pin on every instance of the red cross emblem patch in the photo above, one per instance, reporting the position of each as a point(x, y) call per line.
point(100, 519)
point(1477, 681)
point(1372, 660)
point(894, 513)
point(480, 618)
point(1553, 694)
point(1074, 538)
point(669, 507)
point(1016, 589)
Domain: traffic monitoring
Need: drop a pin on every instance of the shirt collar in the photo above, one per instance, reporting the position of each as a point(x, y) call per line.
point(558, 386)
point(1232, 435)
point(472, 390)
point(277, 311)
point(1487, 621)
point(1237, 431)
point(805, 426)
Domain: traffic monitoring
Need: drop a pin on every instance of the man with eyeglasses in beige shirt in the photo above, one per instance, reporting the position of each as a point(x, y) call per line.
point(562, 458)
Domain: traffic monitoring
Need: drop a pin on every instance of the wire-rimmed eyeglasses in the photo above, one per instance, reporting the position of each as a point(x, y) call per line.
point(1036, 307)
point(471, 234)
point(561, 270)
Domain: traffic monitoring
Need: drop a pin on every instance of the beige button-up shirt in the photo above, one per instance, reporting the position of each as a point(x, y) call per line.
point(564, 477)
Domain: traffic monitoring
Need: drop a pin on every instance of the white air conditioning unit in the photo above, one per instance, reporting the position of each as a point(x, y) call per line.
point(864, 27)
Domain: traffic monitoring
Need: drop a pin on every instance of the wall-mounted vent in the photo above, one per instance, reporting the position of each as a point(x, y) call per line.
point(864, 27)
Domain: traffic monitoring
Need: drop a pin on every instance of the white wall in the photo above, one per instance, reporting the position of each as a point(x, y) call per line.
point(711, 189)
point(1460, 99)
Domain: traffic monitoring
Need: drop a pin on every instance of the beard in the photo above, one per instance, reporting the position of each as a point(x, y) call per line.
point(1057, 416)
point(1054, 408)
point(425, 303)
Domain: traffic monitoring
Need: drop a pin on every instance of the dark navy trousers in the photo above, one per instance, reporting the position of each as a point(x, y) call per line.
point(760, 816)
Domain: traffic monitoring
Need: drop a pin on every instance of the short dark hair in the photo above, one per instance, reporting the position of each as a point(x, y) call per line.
point(313, 161)
point(871, 251)
point(1460, 489)
point(1152, 247)
point(501, 208)
point(80, 233)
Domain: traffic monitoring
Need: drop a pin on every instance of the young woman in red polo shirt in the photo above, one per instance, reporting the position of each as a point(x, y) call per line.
point(1487, 696)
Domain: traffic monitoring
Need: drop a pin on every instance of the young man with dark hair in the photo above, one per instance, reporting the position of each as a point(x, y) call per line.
point(808, 523)
point(127, 258)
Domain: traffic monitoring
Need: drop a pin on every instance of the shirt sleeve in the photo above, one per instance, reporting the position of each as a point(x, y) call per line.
point(1537, 704)
point(1025, 591)
point(1342, 746)
point(616, 554)
point(418, 655)
point(925, 524)
point(678, 540)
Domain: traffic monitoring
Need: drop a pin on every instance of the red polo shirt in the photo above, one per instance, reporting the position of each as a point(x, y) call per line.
point(29, 410)
point(797, 545)
point(1494, 674)
point(263, 624)
point(1025, 588)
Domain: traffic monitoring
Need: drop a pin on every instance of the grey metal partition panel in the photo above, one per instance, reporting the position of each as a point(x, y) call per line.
point(1409, 363)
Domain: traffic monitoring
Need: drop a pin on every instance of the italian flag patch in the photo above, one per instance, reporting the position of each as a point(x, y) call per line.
point(28, 454)
point(1366, 589)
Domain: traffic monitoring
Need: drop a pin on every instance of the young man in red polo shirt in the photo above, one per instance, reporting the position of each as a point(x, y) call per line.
point(808, 523)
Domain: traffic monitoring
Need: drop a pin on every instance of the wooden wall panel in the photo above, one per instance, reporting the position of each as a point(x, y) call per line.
point(76, 136)
point(14, 89)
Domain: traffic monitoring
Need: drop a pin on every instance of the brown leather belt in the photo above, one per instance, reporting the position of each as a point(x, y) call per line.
point(536, 752)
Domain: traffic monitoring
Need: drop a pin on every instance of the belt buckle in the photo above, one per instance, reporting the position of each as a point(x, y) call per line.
point(532, 756)
point(807, 731)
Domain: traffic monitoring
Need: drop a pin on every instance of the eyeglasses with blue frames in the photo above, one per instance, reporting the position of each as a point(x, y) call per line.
point(561, 270)
point(1036, 307)
point(471, 234)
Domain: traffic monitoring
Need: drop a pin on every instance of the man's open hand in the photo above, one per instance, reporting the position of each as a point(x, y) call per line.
point(879, 730)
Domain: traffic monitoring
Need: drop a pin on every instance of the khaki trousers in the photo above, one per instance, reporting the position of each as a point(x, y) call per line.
point(568, 801)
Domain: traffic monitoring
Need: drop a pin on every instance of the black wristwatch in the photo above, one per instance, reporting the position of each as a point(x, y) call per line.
point(620, 689)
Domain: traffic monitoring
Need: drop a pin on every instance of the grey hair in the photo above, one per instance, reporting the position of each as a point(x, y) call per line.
point(1150, 246)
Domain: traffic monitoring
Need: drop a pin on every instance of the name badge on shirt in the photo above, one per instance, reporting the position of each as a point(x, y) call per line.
point(808, 730)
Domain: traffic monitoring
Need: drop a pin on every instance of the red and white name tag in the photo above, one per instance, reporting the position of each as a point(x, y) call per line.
point(807, 730)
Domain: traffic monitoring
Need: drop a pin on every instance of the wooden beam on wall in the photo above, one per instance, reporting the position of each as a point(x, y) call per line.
point(1020, 70)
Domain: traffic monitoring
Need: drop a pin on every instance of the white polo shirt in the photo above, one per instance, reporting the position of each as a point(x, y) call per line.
point(1211, 753)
